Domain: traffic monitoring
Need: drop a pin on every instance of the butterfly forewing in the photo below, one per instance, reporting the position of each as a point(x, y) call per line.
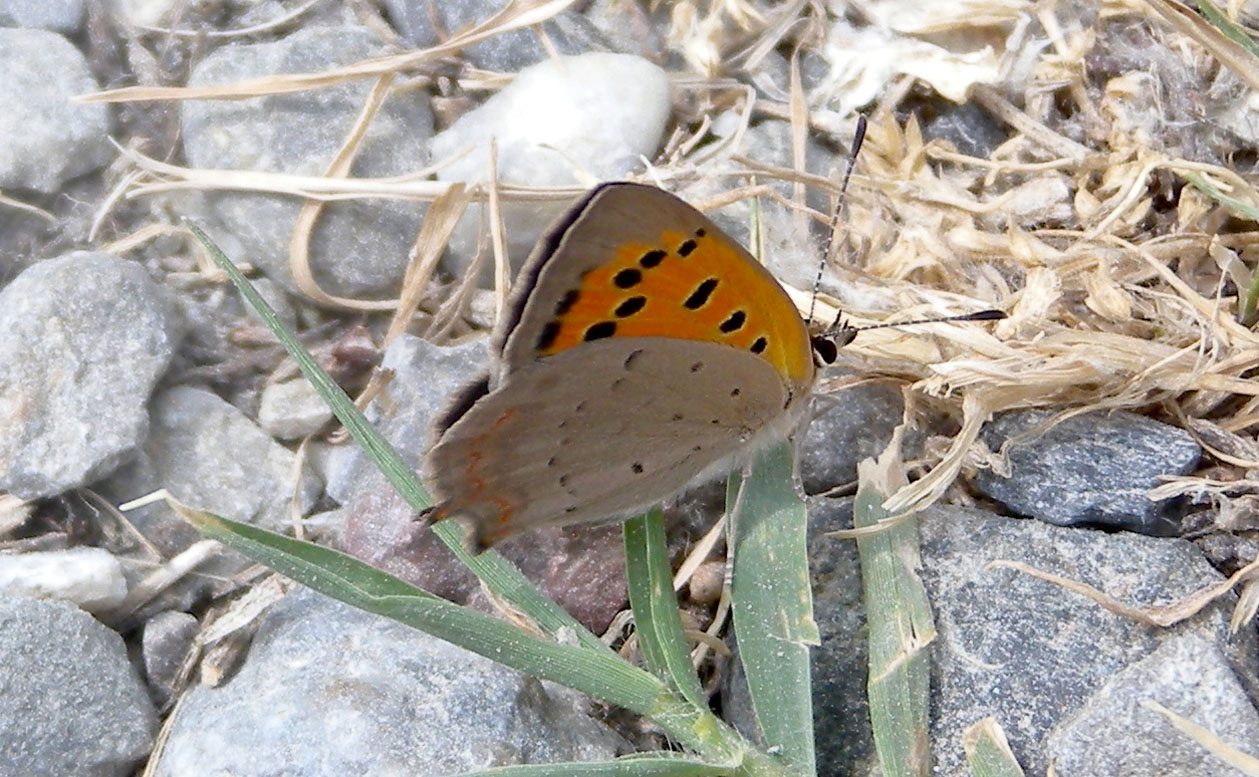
point(635, 261)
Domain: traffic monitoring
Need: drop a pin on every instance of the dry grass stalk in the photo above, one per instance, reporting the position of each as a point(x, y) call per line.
point(1113, 303)
point(515, 15)
point(1244, 763)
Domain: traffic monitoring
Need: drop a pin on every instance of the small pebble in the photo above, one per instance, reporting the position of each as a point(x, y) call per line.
point(46, 138)
point(89, 577)
point(292, 409)
point(1094, 468)
point(57, 15)
point(72, 703)
point(164, 646)
point(210, 456)
point(707, 582)
point(83, 339)
point(427, 22)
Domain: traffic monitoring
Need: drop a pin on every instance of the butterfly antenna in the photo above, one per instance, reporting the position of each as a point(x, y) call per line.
point(832, 246)
point(981, 315)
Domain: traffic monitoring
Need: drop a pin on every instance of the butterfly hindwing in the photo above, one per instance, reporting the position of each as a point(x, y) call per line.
point(644, 419)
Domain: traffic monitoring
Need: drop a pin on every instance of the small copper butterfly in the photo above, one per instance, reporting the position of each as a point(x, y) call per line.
point(643, 349)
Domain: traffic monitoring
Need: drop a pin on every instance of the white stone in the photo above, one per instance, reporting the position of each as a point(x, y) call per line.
point(562, 122)
point(292, 409)
point(89, 577)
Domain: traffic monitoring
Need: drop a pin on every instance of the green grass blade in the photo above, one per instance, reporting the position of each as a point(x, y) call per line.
point(773, 604)
point(988, 754)
point(899, 619)
point(381, 452)
point(1230, 30)
point(1248, 298)
point(598, 673)
point(661, 764)
point(656, 619)
point(499, 576)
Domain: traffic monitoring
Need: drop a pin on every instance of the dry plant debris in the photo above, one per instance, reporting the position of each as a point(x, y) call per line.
point(1113, 221)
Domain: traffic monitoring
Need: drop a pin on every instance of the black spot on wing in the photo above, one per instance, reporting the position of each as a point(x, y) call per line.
point(651, 259)
point(627, 278)
point(546, 338)
point(699, 297)
point(734, 323)
point(600, 330)
point(630, 306)
point(566, 304)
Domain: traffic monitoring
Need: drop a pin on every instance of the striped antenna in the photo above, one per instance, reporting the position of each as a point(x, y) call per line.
point(839, 334)
point(832, 246)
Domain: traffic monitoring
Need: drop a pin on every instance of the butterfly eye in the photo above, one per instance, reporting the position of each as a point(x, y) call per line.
point(824, 349)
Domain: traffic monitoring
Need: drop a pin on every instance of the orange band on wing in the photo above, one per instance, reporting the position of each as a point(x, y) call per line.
point(696, 287)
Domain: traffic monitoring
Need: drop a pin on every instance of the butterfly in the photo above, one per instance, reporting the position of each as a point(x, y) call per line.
point(643, 350)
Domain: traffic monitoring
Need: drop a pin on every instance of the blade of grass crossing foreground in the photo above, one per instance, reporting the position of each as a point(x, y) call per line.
point(773, 603)
point(386, 458)
point(657, 622)
point(603, 675)
point(501, 577)
point(898, 616)
point(600, 674)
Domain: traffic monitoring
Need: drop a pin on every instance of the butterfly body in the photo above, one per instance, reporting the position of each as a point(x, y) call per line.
point(643, 350)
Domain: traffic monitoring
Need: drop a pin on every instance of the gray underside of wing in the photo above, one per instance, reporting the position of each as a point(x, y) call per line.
point(601, 430)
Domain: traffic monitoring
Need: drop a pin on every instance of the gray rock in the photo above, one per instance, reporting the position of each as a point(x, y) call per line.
point(211, 456)
point(426, 23)
point(1117, 735)
point(70, 703)
point(425, 378)
point(1094, 468)
point(88, 577)
point(164, 645)
point(358, 248)
point(58, 15)
point(595, 113)
point(292, 409)
point(83, 339)
point(845, 428)
point(630, 29)
point(969, 127)
point(45, 137)
point(389, 700)
point(144, 13)
point(379, 525)
point(1037, 657)
point(1032, 654)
